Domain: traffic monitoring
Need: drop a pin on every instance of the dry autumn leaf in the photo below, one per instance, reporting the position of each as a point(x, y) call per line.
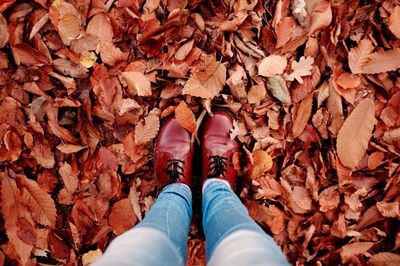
point(262, 163)
point(359, 56)
point(272, 65)
point(256, 93)
point(382, 62)
point(277, 87)
point(138, 83)
point(300, 69)
point(206, 82)
point(185, 117)
point(354, 135)
point(146, 132)
point(122, 216)
point(302, 116)
point(394, 22)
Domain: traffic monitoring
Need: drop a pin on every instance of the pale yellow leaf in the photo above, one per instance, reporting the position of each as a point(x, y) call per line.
point(91, 256)
point(354, 135)
point(300, 69)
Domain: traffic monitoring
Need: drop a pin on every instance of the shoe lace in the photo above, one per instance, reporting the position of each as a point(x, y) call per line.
point(174, 170)
point(217, 166)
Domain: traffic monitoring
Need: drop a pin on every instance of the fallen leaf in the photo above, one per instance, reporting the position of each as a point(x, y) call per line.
point(70, 148)
point(382, 62)
point(351, 250)
point(394, 22)
point(206, 82)
point(43, 154)
point(300, 69)
point(262, 162)
point(100, 26)
point(359, 56)
point(69, 177)
point(321, 17)
point(299, 10)
point(256, 93)
point(302, 116)
point(185, 117)
point(272, 65)
point(184, 50)
point(144, 133)
point(348, 81)
point(277, 87)
point(375, 159)
point(354, 135)
point(138, 83)
point(4, 35)
point(389, 209)
point(385, 259)
point(122, 216)
point(91, 256)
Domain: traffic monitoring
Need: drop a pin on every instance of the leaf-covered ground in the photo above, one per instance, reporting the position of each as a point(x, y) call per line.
point(314, 85)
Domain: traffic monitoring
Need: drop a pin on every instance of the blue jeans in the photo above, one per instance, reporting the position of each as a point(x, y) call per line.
point(232, 237)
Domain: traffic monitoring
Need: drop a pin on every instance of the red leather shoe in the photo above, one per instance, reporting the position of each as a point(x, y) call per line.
point(217, 148)
point(173, 154)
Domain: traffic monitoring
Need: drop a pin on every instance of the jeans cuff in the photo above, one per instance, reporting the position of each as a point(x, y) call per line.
point(215, 180)
point(179, 188)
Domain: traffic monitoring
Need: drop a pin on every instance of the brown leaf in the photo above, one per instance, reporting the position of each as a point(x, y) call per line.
point(69, 177)
point(185, 117)
point(145, 132)
point(375, 159)
point(302, 116)
point(110, 54)
point(138, 83)
point(256, 93)
point(184, 50)
point(329, 199)
point(359, 56)
point(70, 148)
point(100, 26)
point(272, 65)
point(321, 17)
point(4, 35)
point(26, 55)
point(389, 209)
point(122, 216)
point(277, 87)
point(262, 162)
point(90, 256)
point(69, 25)
point(348, 81)
point(43, 154)
point(385, 259)
point(351, 250)
point(301, 197)
point(354, 135)
point(382, 62)
point(40, 202)
point(206, 82)
point(394, 22)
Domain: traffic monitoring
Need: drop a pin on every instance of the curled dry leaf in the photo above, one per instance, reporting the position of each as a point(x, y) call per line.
point(321, 17)
point(100, 26)
point(359, 56)
point(329, 199)
point(206, 82)
point(91, 256)
point(385, 259)
point(394, 22)
point(185, 117)
point(272, 65)
point(389, 209)
point(277, 87)
point(43, 154)
point(354, 135)
point(375, 159)
point(350, 250)
point(184, 50)
point(70, 148)
point(138, 83)
point(299, 10)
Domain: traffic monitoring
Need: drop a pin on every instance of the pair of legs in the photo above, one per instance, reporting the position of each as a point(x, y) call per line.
point(232, 237)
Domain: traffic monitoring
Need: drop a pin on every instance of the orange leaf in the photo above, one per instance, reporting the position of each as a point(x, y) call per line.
point(383, 61)
point(302, 116)
point(256, 93)
point(41, 204)
point(122, 216)
point(354, 135)
point(394, 22)
point(69, 177)
point(321, 17)
point(272, 65)
point(185, 117)
point(70, 148)
point(100, 26)
point(262, 162)
point(385, 258)
point(144, 133)
point(43, 154)
point(375, 159)
point(348, 81)
point(4, 35)
point(359, 56)
point(207, 81)
point(137, 82)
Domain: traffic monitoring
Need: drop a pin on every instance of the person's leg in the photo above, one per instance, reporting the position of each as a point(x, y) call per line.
point(160, 239)
point(231, 235)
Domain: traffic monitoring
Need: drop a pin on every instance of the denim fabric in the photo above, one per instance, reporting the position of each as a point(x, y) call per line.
point(161, 238)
